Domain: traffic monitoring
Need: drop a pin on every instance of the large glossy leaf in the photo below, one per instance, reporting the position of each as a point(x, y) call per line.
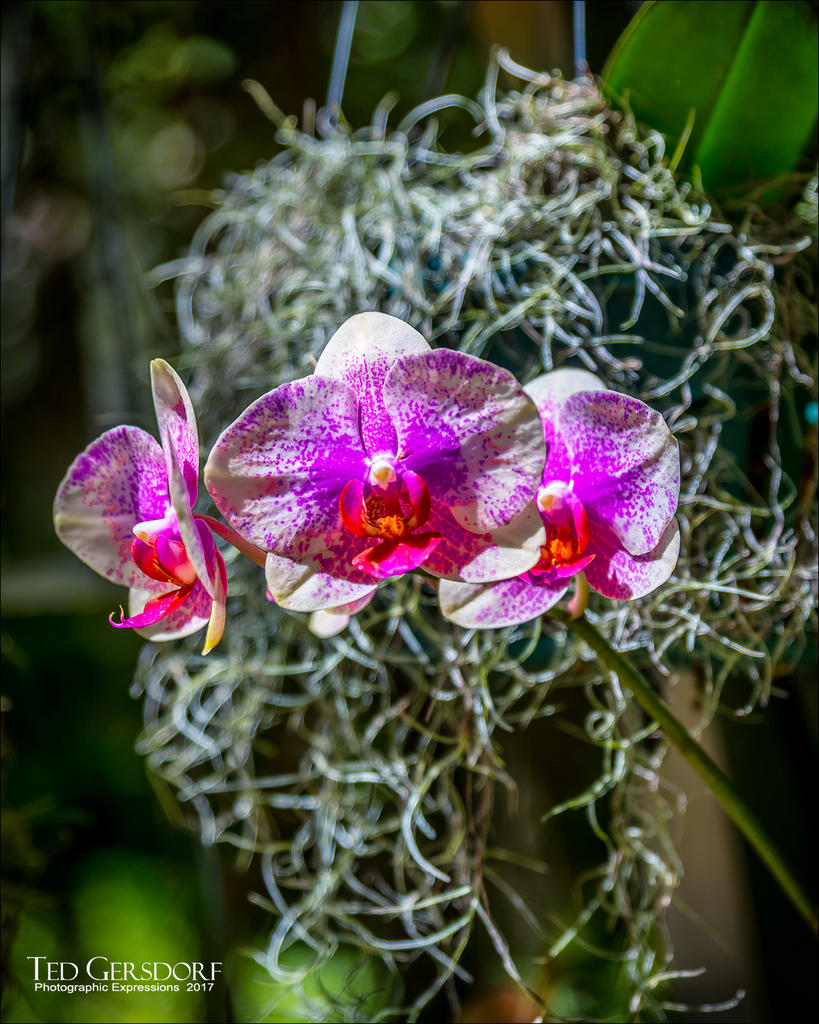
point(741, 75)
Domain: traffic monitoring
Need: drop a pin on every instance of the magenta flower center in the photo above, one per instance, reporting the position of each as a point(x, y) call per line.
point(567, 531)
point(389, 506)
point(159, 552)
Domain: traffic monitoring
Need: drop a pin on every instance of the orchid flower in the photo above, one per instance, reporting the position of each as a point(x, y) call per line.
point(125, 507)
point(607, 500)
point(391, 456)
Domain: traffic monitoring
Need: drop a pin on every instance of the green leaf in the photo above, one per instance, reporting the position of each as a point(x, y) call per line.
point(740, 75)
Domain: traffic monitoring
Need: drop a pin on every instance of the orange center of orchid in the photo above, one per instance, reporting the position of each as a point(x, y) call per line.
point(567, 531)
point(388, 506)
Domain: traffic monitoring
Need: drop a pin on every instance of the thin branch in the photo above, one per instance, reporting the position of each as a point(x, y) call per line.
point(716, 780)
point(341, 57)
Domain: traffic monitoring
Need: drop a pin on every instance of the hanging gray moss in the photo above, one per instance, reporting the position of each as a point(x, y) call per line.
point(361, 770)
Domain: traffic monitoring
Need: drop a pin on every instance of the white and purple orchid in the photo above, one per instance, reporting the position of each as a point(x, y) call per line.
point(607, 500)
point(389, 457)
point(125, 507)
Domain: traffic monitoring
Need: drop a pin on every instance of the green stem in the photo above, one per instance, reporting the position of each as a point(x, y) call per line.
point(716, 780)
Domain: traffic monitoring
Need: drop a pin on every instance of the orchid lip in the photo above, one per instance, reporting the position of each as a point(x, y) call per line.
point(160, 552)
point(391, 509)
point(392, 557)
point(567, 532)
point(388, 508)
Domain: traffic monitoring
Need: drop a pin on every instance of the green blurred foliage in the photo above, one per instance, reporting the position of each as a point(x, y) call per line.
point(126, 907)
point(346, 986)
point(90, 867)
point(732, 83)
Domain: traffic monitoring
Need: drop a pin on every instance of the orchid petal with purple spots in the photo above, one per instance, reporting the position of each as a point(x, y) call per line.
point(125, 508)
point(549, 392)
point(277, 472)
point(607, 500)
point(625, 465)
point(468, 429)
point(359, 355)
point(390, 457)
point(119, 480)
point(493, 605)
point(304, 586)
point(180, 446)
point(618, 574)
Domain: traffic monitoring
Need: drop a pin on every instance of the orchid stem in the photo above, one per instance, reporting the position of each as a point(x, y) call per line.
point(232, 537)
point(716, 780)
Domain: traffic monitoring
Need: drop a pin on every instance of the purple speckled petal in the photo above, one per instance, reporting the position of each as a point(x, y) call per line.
point(625, 466)
point(277, 473)
point(493, 605)
point(482, 557)
point(615, 573)
point(118, 481)
point(305, 586)
point(359, 355)
point(177, 425)
point(550, 392)
point(471, 433)
point(188, 618)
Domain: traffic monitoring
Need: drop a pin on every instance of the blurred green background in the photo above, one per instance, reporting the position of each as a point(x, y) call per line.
point(118, 118)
